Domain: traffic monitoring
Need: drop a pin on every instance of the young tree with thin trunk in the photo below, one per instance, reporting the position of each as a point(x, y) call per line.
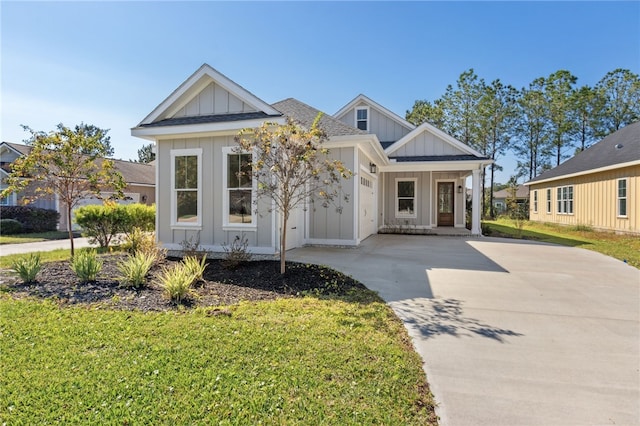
point(290, 166)
point(69, 163)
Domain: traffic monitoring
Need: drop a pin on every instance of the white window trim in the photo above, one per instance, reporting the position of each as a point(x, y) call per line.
point(626, 197)
point(226, 226)
point(415, 199)
point(560, 202)
point(355, 117)
point(174, 202)
point(535, 201)
point(549, 200)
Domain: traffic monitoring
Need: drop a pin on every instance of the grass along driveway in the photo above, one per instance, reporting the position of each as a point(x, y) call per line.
point(35, 237)
point(290, 361)
point(622, 247)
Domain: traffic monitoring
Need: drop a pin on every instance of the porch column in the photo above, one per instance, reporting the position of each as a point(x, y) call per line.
point(475, 203)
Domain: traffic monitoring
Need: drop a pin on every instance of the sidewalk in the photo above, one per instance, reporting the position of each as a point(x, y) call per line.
point(7, 249)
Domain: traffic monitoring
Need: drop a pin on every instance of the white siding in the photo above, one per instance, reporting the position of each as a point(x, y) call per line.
point(213, 99)
point(427, 144)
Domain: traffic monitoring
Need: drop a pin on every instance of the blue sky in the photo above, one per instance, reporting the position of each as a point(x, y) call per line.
point(111, 63)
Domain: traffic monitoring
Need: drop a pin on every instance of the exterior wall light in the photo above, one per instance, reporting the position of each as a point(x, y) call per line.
point(373, 168)
point(459, 189)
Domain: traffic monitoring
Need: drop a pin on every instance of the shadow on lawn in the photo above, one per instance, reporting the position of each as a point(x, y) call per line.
point(510, 232)
point(434, 317)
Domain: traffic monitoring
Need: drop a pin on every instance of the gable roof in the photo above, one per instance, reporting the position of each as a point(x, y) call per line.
point(304, 115)
point(390, 114)
point(619, 149)
point(521, 192)
point(132, 172)
point(19, 149)
point(426, 127)
point(193, 85)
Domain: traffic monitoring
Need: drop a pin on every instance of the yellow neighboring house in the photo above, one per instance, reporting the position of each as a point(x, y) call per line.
point(599, 187)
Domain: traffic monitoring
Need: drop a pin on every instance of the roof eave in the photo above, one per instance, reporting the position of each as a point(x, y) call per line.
point(584, 172)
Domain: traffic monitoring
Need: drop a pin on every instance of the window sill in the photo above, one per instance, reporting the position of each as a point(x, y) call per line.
point(622, 217)
point(245, 228)
point(406, 217)
point(196, 226)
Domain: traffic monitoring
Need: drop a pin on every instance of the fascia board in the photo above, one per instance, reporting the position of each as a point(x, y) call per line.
point(437, 132)
point(423, 166)
point(356, 140)
point(9, 147)
point(585, 172)
point(191, 130)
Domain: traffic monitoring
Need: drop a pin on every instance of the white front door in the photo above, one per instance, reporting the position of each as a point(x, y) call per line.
point(295, 228)
point(367, 207)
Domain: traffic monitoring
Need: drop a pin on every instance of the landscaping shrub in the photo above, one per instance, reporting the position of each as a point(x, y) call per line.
point(102, 223)
point(236, 253)
point(134, 270)
point(176, 282)
point(27, 267)
point(33, 219)
point(86, 265)
point(195, 267)
point(139, 241)
point(10, 227)
point(138, 216)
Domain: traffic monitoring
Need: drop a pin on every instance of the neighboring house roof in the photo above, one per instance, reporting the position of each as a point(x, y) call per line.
point(364, 99)
point(619, 149)
point(133, 173)
point(521, 192)
point(304, 115)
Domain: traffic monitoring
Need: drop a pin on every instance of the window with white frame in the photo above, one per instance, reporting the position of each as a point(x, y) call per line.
point(565, 199)
point(549, 200)
point(406, 198)
point(238, 189)
point(535, 201)
point(622, 197)
point(362, 118)
point(186, 187)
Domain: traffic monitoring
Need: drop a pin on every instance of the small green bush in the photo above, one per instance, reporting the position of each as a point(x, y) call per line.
point(10, 227)
point(33, 219)
point(134, 270)
point(140, 216)
point(86, 265)
point(195, 267)
point(100, 223)
point(27, 267)
point(176, 282)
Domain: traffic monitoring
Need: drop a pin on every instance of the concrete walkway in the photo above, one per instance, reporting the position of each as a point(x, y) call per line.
point(511, 332)
point(7, 249)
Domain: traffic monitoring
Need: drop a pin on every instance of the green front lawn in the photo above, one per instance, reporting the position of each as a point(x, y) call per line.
point(290, 361)
point(51, 255)
point(622, 247)
point(34, 237)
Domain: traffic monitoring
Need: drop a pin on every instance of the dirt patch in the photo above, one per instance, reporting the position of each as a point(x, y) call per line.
point(252, 281)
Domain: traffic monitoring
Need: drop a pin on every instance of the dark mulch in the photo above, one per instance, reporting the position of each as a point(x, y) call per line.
point(251, 281)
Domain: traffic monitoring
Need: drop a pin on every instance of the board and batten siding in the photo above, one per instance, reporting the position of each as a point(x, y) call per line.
point(386, 129)
point(211, 232)
point(427, 144)
point(326, 223)
point(595, 201)
point(423, 201)
point(213, 99)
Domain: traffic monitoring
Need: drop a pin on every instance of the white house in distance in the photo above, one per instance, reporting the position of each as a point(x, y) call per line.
point(403, 175)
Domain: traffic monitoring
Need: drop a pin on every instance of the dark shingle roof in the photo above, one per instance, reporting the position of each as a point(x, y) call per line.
point(304, 115)
point(437, 158)
point(620, 147)
point(521, 192)
point(133, 173)
point(215, 118)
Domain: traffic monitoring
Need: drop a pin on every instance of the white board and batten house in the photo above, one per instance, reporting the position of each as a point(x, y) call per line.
point(403, 174)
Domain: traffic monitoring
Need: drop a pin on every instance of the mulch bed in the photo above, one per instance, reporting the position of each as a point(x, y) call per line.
point(251, 281)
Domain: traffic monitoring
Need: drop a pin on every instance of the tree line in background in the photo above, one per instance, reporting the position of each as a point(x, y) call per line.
point(542, 124)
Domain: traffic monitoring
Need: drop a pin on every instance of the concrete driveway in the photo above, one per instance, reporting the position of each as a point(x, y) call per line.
point(511, 332)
